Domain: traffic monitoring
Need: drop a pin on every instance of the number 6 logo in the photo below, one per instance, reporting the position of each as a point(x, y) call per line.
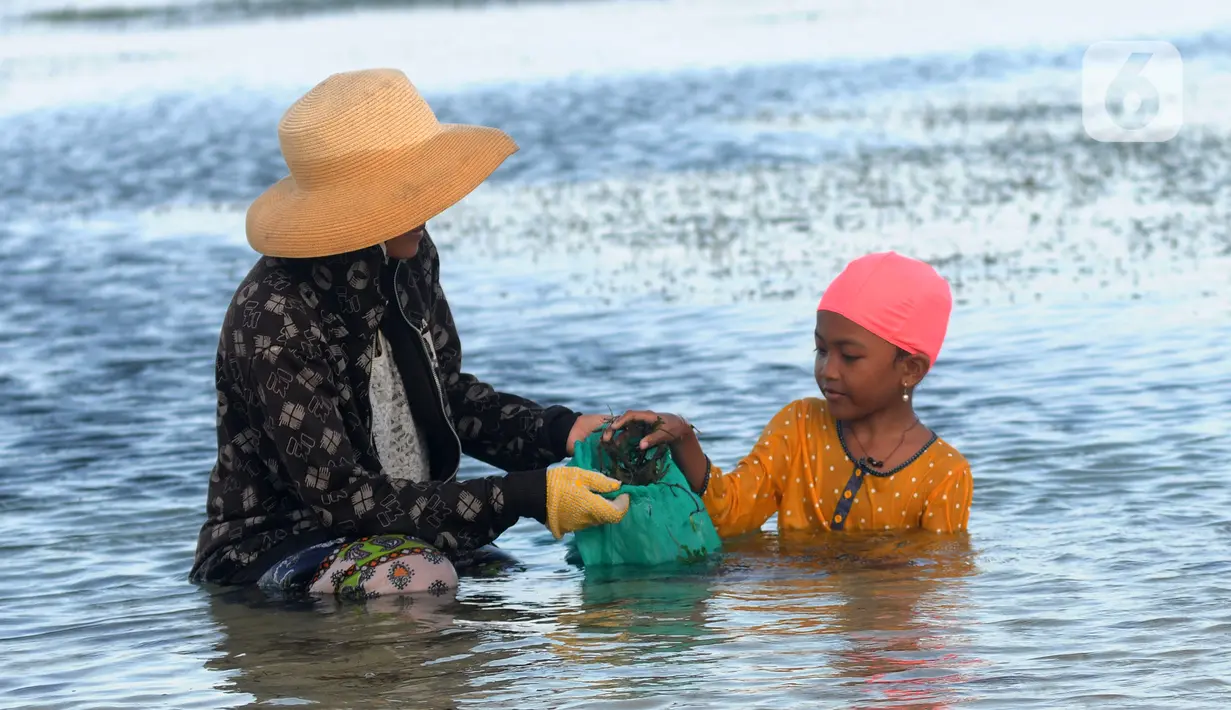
point(1132, 92)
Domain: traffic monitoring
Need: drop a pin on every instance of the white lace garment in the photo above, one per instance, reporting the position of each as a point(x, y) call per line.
point(399, 441)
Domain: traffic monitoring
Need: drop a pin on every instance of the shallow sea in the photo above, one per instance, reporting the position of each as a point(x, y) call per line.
point(691, 176)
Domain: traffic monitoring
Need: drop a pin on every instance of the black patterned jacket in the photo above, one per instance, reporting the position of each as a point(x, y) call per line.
point(297, 462)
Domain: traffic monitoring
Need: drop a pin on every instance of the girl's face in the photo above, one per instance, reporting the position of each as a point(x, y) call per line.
point(858, 372)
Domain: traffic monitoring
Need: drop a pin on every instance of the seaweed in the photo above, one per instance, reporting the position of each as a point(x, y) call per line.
point(624, 460)
point(692, 556)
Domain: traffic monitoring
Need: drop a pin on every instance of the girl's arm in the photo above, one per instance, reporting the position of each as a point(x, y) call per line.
point(947, 508)
point(692, 461)
point(744, 498)
point(676, 432)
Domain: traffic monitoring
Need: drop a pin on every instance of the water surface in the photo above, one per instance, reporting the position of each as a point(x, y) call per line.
point(660, 240)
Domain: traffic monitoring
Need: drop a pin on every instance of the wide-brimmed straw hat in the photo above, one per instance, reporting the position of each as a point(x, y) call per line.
point(369, 161)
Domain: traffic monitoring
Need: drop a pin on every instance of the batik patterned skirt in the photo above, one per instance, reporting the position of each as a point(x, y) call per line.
point(370, 567)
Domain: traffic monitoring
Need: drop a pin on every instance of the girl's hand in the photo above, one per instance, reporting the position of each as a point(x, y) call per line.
point(674, 428)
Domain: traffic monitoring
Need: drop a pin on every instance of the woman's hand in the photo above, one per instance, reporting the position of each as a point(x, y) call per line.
point(674, 428)
point(574, 503)
point(583, 427)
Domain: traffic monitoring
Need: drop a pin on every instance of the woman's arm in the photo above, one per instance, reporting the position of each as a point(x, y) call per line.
point(499, 428)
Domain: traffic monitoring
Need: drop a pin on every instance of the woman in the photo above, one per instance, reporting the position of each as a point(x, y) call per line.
point(343, 411)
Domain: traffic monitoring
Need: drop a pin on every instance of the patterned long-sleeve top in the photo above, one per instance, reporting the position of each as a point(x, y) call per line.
point(297, 462)
point(802, 470)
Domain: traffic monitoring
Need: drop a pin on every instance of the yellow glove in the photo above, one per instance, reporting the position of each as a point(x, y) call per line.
point(573, 502)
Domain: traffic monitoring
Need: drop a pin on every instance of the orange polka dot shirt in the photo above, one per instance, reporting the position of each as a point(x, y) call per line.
point(801, 470)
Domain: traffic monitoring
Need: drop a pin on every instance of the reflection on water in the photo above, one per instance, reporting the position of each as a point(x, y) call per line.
point(332, 654)
point(871, 618)
point(882, 613)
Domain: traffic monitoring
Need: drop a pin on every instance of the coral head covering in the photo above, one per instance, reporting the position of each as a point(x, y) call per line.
point(895, 297)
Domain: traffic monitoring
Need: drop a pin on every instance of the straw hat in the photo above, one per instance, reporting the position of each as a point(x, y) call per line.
point(368, 162)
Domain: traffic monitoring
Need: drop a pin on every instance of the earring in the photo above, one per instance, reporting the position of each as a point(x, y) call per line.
point(905, 393)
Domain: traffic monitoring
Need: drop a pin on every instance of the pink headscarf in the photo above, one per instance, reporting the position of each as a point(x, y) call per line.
point(900, 299)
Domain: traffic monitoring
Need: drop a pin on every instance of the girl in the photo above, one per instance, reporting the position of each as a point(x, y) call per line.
point(860, 459)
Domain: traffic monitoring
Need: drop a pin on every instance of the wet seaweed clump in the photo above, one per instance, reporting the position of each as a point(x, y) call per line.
point(624, 460)
point(691, 556)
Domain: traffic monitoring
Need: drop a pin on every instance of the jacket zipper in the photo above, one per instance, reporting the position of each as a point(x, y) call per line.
point(430, 354)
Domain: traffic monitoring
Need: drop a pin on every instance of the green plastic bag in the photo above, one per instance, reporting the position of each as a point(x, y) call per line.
point(666, 522)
